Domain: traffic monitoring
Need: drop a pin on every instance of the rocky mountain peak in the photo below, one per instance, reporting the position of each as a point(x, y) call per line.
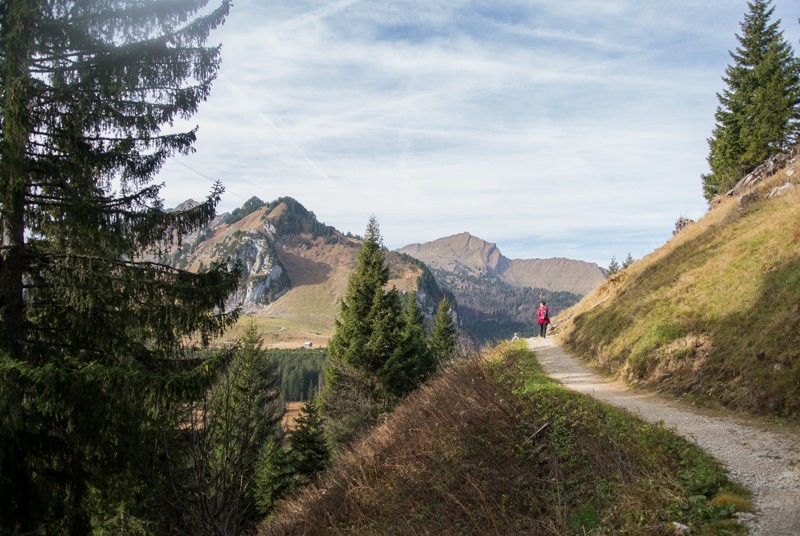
point(466, 254)
point(461, 252)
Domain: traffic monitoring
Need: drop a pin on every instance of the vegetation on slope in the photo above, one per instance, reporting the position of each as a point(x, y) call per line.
point(491, 446)
point(759, 109)
point(491, 309)
point(714, 314)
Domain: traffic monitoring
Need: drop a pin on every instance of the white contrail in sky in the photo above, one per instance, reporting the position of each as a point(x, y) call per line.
point(261, 115)
point(317, 14)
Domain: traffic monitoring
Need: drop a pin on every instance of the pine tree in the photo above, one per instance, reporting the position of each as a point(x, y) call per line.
point(414, 343)
point(91, 364)
point(238, 419)
point(443, 341)
point(372, 362)
point(351, 397)
point(309, 452)
point(410, 363)
point(613, 267)
point(627, 262)
point(759, 110)
point(362, 305)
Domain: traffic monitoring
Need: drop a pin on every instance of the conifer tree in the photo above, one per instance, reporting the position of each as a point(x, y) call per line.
point(91, 365)
point(372, 352)
point(759, 110)
point(613, 266)
point(420, 362)
point(443, 341)
point(362, 305)
point(628, 261)
point(238, 419)
point(351, 396)
point(309, 452)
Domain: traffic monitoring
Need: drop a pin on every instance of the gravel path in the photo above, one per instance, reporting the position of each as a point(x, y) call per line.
point(767, 462)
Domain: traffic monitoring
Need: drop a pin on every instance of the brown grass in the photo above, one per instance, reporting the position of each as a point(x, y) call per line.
point(713, 314)
point(490, 447)
point(291, 412)
point(403, 474)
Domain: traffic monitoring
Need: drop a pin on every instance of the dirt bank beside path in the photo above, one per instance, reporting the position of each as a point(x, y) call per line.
point(765, 461)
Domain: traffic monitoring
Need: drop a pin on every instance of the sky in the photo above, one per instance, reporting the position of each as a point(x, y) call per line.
point(553, 128)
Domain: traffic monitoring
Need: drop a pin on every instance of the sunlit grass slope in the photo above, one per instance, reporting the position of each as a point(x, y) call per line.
point(491, 446)
point(714, 314)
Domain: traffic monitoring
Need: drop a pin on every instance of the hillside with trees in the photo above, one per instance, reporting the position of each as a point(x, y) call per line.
point(759, 110)
point(381, 350)
point(293, 268)
point(714, 315)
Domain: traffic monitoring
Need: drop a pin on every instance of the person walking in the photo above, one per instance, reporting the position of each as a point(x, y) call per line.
point(544, 318)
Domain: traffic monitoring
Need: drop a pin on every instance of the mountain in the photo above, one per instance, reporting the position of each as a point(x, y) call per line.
point(465, 254)
point(498, 296)
point(293, 266)
point(714, 314)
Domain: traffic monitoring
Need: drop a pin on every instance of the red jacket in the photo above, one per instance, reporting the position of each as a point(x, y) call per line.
point(544, 315)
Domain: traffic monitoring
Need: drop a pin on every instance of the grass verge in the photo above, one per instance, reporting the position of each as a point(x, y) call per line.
point(492, 446)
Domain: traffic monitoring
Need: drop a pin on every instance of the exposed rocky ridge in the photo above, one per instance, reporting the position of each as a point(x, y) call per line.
point(292, 265)
point(775, 163)
point(469, 255)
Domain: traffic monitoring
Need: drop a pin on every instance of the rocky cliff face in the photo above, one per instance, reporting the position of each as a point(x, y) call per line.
point(293, 266)
point(250, 243)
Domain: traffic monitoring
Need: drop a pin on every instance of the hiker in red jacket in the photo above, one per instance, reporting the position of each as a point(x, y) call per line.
point(544, 318)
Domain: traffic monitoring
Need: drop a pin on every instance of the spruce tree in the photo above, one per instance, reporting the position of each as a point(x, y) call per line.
point(217, 493)
point(413, 358)
point(372, 354)
point(361, 307)
point(759, 110)
point(628, 261)
point(613, 267)
point(351, 396)
point(308, 448)
point(443, 341)
point(91, 365)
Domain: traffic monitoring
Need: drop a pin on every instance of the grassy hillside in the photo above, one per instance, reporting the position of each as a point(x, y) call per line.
point(491, 446)
point(714, 314)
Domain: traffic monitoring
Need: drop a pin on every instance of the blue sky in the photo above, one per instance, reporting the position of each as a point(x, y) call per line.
point(555, 128)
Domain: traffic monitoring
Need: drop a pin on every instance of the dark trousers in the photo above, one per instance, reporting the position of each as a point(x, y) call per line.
point(542, 329)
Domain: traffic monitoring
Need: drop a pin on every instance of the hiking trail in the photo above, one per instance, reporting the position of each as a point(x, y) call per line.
point(766, 461)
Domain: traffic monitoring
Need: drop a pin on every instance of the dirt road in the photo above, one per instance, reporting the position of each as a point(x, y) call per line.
point(767, 462)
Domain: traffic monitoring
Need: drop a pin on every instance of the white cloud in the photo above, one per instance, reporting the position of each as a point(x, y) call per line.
point(552, 128)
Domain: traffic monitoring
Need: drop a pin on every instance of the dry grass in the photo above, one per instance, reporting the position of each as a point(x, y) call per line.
point(492, 447)
point(714, 314)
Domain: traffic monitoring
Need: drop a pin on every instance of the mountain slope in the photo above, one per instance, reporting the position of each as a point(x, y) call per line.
point(498, 296)
point(714, 314)
point(293, 267)
point(469, 255)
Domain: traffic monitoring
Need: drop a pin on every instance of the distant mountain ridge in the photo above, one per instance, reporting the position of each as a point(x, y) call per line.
point(498, 296)
point(466, 254)
point(296, 268)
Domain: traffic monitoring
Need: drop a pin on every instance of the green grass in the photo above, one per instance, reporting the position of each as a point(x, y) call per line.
point(278, 332)
point(625, 468)
point(713, 315)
